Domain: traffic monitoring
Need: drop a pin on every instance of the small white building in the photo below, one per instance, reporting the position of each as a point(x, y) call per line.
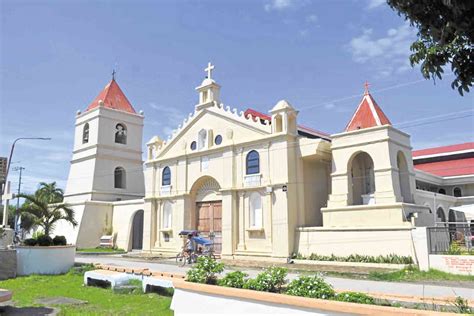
point(263, 185)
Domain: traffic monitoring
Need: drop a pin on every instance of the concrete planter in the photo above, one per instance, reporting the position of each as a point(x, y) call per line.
point(390, 266)
point(44, 260)
point(7, 264)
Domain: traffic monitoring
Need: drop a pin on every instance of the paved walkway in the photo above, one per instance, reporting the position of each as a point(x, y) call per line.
point(395, 288)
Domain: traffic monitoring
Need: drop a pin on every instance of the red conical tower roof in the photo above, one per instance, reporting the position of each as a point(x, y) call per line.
point(368, 114)
point(113, 98)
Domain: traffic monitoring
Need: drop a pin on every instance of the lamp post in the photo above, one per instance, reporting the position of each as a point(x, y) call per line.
point(11, 154)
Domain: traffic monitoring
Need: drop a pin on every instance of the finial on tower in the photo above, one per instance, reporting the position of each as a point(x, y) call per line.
point(209, 69)
point(113, 74)
point(366, 87)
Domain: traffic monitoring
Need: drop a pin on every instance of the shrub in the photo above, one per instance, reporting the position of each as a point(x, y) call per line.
point(30, 242)
point(205, 271)
point(44, 240)
point(454, 249)
point(355, 297)
point(391, 258)
point(271, 280)
point(310, 286)
point(59, 241)
point(462, 305)
point(234, 279)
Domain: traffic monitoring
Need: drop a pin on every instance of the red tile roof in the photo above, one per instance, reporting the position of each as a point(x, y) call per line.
point(306, 129)
point(449, 168)
point(367, 114)
point(443, 149)
point(113, 98)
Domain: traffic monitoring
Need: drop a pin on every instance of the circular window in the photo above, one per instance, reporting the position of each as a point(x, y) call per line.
point(218, 140)
point(193, 145)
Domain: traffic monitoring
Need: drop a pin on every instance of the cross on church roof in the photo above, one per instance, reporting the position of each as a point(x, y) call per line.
point(366, 87)
point(113, 74)
point(209, 70)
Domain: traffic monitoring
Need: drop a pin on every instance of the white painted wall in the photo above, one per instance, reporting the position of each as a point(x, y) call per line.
point(453, 264)
point(45, 260)
point(192, 303)
point(344, 242)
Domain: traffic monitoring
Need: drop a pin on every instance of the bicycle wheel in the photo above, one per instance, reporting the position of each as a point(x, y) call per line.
point(181, 259)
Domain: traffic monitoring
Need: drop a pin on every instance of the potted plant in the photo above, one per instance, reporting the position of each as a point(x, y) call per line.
point(43, 254)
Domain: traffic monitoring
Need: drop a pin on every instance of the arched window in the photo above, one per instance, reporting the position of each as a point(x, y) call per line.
point(120, 134)
point(442, 191)
point(166, 178)
point(253, 162)
point(256, 213)
point(167, 215)
point(120, 178)
point(457, 192)
point(85, 134)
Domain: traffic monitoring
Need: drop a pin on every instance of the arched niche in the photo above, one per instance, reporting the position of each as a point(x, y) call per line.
point(361, 179)
point(404, 178)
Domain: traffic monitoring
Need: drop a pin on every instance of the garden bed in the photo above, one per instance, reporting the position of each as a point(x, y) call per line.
point(376, 266)
point(310, 290)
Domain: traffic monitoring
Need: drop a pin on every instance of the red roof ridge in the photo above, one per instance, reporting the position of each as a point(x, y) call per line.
point(368, 114)
point(113, 98)
point(443, 149)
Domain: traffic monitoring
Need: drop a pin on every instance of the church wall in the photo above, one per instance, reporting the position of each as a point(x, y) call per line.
point(79, 184)
point(347, 241)
point(122, 219)
point(91, 218)
point(315, 185)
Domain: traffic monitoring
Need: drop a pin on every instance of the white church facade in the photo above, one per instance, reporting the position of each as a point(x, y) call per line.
point(261, 185)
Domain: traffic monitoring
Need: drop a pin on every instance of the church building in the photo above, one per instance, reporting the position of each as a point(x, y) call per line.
point(260, 185)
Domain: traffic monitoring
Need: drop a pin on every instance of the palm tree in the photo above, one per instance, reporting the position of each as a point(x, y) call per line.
point(45, 207)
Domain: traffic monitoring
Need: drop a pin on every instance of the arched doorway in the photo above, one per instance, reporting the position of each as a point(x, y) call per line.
point(403, 177)
point(441, 217)
point(208, 210)
point(137, 231)
point(362, 180)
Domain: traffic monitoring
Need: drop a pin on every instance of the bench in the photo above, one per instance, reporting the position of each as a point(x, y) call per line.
point(5, 295)
point(161, 279)
point(117, 276)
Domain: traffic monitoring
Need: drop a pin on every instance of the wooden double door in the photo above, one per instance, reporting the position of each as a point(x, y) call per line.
point(209, 222)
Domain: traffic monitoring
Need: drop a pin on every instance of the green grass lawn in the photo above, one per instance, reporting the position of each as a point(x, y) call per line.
point(98, 249)
point(100, 301)
point(413, 274)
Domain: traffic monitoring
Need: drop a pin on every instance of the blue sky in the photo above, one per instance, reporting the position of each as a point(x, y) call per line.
point(56, 56)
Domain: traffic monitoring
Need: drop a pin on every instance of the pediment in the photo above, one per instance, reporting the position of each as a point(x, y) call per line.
point(232, 127)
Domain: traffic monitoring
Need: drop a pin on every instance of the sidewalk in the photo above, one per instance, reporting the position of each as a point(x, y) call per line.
point(395, 288)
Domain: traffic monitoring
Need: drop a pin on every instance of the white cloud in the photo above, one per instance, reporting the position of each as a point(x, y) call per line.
point(279, 5)
point(387, 54)
point(375, 4)
point(329, 106)
point(173, 116)
point(304, 33)
point(312, 18)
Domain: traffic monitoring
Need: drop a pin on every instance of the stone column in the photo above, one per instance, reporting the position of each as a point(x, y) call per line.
point(241, 244)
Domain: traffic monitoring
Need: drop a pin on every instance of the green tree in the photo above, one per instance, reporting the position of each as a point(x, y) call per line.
point(445, 36)
point(45, 207)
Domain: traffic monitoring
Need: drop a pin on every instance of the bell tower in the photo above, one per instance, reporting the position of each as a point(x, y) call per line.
point(107, 161)
point(373, 178)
